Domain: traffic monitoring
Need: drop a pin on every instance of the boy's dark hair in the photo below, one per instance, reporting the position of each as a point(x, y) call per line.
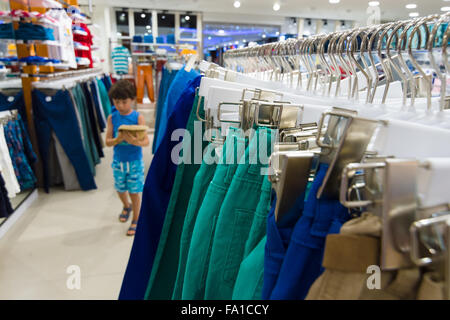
point(122, 90)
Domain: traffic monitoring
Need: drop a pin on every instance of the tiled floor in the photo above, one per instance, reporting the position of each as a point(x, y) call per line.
point(62, 229)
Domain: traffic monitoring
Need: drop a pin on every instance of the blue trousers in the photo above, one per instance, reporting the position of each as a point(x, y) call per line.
point(155, 200)
point(97, 106)
point(302, 264)
point(179, 83)
point(93, 119)
point(166, 81)
point(59, 115)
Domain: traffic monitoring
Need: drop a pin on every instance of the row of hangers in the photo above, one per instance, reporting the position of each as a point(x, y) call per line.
point(405, 188)
point(326, 58)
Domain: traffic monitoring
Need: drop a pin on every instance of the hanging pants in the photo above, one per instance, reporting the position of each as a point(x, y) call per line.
point(155, 200)
point(57, 113)
point(203, 234)
point(144, 77)
point(201, 182)
point(235, 220)
point(165, 266)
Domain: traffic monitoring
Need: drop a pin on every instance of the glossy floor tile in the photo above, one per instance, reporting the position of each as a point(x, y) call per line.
point(68, 239)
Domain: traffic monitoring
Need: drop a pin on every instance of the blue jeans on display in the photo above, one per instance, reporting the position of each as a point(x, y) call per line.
point(166, 81)
point(155, 200)
point(176, 88)
point(302, 264)
point(277, 243)
point(59, 115)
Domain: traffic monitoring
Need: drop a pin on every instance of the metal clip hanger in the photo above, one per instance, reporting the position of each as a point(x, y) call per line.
point(290, 179)
point(344, 142)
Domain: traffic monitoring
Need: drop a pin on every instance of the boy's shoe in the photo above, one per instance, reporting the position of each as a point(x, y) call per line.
point(124, 216)
point(132, 230)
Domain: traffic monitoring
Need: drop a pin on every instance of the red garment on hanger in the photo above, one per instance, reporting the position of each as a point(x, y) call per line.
point(85, 40)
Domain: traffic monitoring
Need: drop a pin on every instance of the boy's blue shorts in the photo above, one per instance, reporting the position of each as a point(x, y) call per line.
point(129, 176)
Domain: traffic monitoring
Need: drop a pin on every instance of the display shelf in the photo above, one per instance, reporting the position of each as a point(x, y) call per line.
point(46, 42)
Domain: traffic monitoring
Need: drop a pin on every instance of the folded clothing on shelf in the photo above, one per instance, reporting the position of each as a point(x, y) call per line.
point(8, 59)
point(148, 39)
point(171, 38)
point(80, 46)
point(30, 31)
point(160, 39)
point(38, 60)
point(6, 31)
point(137, 39)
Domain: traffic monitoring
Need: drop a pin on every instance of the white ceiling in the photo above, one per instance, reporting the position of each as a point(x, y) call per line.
point(345, 10)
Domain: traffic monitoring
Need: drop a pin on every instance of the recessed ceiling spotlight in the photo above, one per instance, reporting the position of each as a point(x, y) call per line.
point(374, 3)
point(187, 18)
point(264, 36)
point(414, 14)
point(411, 6)
point(143, 14)
point(237, 4)
point(334, 1)
point(276, 6)
point(236, 42)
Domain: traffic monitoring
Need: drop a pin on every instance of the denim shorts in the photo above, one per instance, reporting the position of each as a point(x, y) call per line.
point(129, 176)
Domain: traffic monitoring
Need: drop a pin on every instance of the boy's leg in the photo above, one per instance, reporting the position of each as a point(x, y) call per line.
point(136, 203)
point(121, 187)
point(126, 203)
point(135, 186)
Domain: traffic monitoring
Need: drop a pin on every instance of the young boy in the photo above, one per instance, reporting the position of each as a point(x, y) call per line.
point(128, 164)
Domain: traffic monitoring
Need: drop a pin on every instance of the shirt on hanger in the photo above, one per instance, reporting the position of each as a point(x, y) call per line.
point(119, 56)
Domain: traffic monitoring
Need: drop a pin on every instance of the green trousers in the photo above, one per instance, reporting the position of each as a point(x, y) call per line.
point(203, 233)
point(165, 265)
point(202, 180)
point(249, 281)
point(258, 229)
point(235, 221)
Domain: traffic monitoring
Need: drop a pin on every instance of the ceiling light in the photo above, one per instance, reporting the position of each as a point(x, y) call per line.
point(411, 6)
point(264, 36)
point(243, 40)
point(221, 31)
point(237, 4)
point(445, 9)
point(374, 3)
point(276, 6)
point(277, 33)
point(236, 42)
point(187, 18)
point(163, 17)
point(209, 38)
point(334, 1)
point(143, 14)
point(148, 27)
point(414, 14)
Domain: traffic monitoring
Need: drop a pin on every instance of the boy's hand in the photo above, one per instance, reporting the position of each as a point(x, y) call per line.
point(120, 137)
point(128, 137)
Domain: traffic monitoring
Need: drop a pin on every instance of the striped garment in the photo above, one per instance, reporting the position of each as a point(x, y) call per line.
point(119, 56)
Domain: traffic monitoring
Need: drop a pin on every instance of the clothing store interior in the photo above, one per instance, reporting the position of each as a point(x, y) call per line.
point(145, 149)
